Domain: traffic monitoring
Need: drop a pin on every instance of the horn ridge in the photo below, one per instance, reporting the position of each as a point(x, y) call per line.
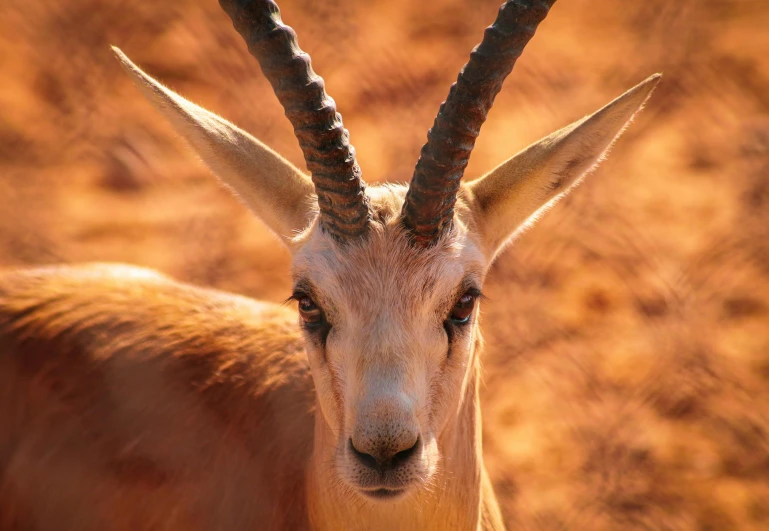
point(325, 143)
point(428, 209)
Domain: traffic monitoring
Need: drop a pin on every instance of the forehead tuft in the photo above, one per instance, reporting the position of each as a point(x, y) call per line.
point(386, 202)
point(385, 260)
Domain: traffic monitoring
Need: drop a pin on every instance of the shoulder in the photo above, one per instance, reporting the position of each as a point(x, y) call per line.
point(124, 292)
point(108, 310)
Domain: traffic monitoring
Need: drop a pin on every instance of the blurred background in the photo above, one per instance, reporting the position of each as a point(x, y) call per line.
point(627, 364)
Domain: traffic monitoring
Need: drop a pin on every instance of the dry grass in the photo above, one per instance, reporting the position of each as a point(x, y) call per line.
point(627, 378)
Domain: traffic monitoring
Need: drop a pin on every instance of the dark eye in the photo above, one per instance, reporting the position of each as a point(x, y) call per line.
point(309, 311)
point(463, 309)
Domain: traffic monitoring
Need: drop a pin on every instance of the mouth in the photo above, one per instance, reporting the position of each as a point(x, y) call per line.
point(384, 494)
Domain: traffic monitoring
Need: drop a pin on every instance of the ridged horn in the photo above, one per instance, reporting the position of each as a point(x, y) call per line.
point(325, 143)
point(429, 206)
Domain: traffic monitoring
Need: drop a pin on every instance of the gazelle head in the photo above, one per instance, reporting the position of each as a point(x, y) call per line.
point(388, 278)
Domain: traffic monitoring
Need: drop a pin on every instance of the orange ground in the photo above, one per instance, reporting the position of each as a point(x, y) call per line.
point(627, 378)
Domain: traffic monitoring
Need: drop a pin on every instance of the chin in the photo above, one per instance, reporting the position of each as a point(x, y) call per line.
point(385, 494)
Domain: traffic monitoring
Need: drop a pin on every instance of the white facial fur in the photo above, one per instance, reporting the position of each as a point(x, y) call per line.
point(392, 366)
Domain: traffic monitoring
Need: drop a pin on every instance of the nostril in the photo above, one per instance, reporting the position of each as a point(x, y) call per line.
point(367, 459)
point(404, 455)
point(386, 460)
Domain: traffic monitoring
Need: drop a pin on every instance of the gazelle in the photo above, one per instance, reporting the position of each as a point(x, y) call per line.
point(131, 401)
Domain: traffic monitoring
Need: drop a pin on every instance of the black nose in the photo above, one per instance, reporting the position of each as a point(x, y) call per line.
point(382, 458)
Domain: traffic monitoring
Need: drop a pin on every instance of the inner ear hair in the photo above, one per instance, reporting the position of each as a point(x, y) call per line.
point(272, 188)
point(515, 193)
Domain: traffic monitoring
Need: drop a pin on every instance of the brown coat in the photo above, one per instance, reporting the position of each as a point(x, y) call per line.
point(130, 401)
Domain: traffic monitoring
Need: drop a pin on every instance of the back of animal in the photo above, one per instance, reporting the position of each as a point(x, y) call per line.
point(129, 401)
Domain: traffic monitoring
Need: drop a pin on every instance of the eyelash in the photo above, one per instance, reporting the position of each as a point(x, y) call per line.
point(319, 326)
point(452, 325)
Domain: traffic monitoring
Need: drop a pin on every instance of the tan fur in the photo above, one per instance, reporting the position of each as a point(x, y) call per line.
point(130, 401)
point(518, 191)
point(275, 190)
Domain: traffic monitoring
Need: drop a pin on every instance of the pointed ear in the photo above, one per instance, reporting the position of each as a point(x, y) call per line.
point(275, 190)
point(516, 192)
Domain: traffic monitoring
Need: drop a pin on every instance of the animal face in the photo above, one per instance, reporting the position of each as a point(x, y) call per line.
point(390, 332)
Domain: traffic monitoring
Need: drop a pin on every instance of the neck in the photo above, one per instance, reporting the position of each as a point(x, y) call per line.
point(459, 495)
